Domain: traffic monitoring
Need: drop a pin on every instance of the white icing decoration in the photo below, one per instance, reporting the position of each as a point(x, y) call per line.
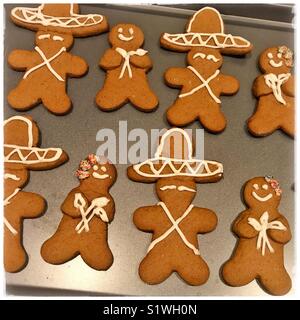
point(44, 36)
point(100, 176)
point(103, 169)
point(262, 226)
point(212, 58)
point(95, 167)
point(265, 187)
point(46, 62)
point(126, 55)
point(58, 38)
point(275, 82)
point(120, 30)
point(35, 16)
point(96, 208)
point(270, 55)
point(199, 54)
point(194, 167)
point(7, 202)
point(276, 64)
point(11, 176)
point(170, 187)
point(204, 84)
point(175, 226)
point(262, 199)
point(184, 188)
point(124, 38)
point(279, 55)
point(255, 186)
point(29, 127)
point(179, 188)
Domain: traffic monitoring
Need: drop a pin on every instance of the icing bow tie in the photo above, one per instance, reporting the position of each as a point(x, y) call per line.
point(262, 226)
point(126, 55)
point(275, 82)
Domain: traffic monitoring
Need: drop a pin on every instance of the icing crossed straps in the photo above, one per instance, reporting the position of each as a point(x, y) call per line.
point(204, 84)
point(7, 202)
point(126, 55)
point(262, 226)
point(275, 82)
point(175, 226)
point(46, 62)
point(96, 208)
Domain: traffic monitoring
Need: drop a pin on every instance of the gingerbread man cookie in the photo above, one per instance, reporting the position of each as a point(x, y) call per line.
point(126, 65)
point(262, 233)
point(87, 211)
point(174, 220)
point(201, 83)
point(275, 93)
point(21, 137)
point(50, 64)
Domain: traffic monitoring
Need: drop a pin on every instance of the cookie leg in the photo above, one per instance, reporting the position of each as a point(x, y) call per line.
point(212, 118)
point(193, 270)
point(181, 114)
point(23, 97)
point(97, 256)
point(276, 281)
point(110, 98)
point(288, 127)
point(15, 256)
point(153, 269)
point(143, 98)
point(238, 273)
point(57, 101)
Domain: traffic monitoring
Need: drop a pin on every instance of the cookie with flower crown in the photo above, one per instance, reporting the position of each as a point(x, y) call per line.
point(21, 154)
point(174, 220)
point(87, 211)
point(262, 233)
point(275, 93)
point(50, 64)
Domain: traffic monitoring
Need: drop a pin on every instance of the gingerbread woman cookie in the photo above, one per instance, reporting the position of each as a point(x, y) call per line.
point(175, 221)
point(201, 83)
point(21, 137)
point(126, 65)
point(87, 211)
point(50, 64)
point(262, 233)
point(275, 93)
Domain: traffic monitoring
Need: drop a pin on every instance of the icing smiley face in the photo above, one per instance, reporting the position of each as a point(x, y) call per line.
point(276, 60)
point(46, 40)
point(205, 59)
point(261, 192)
point(126, 36)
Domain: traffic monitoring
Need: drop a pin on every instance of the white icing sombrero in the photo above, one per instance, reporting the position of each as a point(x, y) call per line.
point(21, 136)
point(206, 29)
point(162, 166)
point(60, 18)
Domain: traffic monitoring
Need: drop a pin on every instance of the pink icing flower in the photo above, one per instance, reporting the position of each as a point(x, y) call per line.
point(92, 159)
point(85, 165)
point(287, 55)
point(80, 174)
point(274, 184)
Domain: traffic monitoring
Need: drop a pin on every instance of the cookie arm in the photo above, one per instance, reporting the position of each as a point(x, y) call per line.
point(175, 76)
point(206, 220)
point(260, 88)
point(143, 62)
point(21, 59)
point(68, 207)
point(242, 228)
point(230, 85)
point(29, 205)
point(144, 218)
point(77, 66)
point(110, 209)
point(289, 87)
point(281, 236)
point(110, 60)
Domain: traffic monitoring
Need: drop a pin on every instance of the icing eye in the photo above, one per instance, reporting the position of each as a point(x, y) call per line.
point(255, 186)
point(58, 38)
point(199, 54)
point(131, 31)
point(279, 55)
point(270, 55)
point(265, 186)
point(44, 36)
point(120, 30)
point(95, 167)
point(103, 169)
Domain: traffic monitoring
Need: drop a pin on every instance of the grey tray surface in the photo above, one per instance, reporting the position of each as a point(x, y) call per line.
point(243, 157)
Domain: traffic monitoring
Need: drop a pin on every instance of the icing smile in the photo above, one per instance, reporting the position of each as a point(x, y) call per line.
point(262, 199)
point(100, 176)
point(272, 61)
point(122, 37)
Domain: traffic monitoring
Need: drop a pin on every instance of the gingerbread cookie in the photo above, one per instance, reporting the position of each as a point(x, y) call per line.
point(201, 83)
point(262, 233)
point(126, 65)
point(21, 154)
point(50, 64)
point(175, 221)
point(87, 211)
point(275, 93)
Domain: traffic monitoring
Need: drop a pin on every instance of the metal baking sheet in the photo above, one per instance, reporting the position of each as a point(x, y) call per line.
point(243, 157)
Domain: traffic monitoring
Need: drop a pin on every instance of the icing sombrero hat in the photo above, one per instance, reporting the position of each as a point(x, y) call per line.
point(21, 137)
point(206, 29)
point(59, 17)
point(169, 163)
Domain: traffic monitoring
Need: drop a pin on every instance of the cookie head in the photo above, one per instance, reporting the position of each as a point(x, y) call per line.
point(172, 189)
point(45, 40)
point(205, 59)
point(262, 191)
point(126, 36)
point(276, 60)
point(15, 176)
